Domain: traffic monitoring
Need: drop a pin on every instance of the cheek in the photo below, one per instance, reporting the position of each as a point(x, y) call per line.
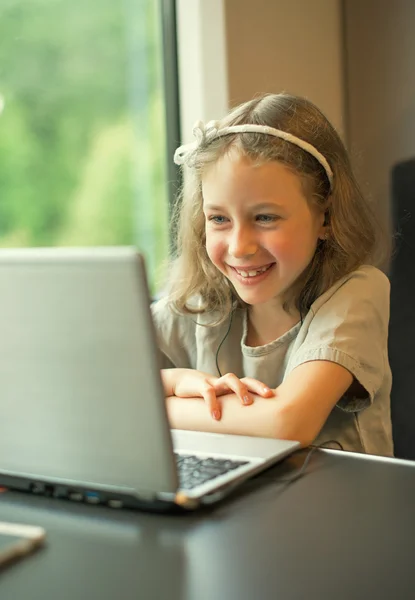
point(214, 248)
point(293, 249)
point(282, 247)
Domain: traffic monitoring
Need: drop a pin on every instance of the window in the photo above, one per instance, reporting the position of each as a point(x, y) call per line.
point(82, 126)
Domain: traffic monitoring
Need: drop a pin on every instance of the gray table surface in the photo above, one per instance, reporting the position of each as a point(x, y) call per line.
point(345, 530)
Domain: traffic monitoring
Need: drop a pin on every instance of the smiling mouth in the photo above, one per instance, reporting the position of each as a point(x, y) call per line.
point(246, 274)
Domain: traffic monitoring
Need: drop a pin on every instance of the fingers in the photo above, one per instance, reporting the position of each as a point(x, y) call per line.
point(231, 382)
point(214, 387)
point(257, 387)
point(209, 395)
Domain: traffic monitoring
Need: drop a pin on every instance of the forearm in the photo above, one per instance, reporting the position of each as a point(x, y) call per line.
point(258, 419)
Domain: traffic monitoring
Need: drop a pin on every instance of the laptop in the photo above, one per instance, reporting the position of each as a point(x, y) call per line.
point(82, 407)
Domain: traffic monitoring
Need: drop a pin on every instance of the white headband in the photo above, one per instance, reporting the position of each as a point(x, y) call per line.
point(206, 133)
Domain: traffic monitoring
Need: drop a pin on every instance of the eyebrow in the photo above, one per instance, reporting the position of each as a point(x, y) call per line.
point(272, 205)
point(212, 207)
point(262, 206)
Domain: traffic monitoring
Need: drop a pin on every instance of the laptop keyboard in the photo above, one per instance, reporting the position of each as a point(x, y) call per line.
point(194, 471)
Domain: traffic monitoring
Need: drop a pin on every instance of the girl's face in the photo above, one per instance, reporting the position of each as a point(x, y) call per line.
point(261, 232)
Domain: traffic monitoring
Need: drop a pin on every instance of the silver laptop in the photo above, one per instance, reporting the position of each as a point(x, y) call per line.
point(82, 410)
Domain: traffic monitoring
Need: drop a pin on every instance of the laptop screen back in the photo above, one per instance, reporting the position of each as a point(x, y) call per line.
point(81, 396)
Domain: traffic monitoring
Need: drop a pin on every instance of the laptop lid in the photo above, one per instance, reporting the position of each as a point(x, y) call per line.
point(79, 370)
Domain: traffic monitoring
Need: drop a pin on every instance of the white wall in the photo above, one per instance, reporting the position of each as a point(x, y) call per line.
point(231, 50)
point(380, 43)
point(203, 77)
point(287, 45)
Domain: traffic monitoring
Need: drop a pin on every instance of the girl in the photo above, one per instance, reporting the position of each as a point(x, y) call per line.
point(276, 323)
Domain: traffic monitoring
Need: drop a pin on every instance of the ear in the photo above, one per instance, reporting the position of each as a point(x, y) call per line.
point(324, 232)
point(322, 226)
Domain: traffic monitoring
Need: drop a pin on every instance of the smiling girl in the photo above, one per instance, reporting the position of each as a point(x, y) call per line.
point(276, 320)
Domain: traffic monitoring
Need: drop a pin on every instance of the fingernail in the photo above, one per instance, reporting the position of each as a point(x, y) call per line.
point(216, 414)
point(246, 400)
point(266, 389)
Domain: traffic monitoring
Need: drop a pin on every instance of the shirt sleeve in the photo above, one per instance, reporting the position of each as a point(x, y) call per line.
point(348, 325)
point(172, 335)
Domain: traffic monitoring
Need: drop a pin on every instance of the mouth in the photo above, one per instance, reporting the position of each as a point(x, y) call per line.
point(249, 275)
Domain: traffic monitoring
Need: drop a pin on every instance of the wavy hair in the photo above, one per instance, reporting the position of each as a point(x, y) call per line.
point(355, 236)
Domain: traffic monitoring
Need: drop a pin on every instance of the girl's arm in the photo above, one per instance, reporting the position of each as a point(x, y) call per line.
point(189, 383)
point(298, 411)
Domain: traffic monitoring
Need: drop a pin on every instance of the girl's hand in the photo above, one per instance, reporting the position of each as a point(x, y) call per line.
point(189, 383)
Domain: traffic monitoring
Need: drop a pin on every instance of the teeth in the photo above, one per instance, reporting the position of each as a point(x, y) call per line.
point(251, 273)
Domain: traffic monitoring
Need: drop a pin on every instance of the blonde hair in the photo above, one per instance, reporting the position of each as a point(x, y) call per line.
point(354, 236)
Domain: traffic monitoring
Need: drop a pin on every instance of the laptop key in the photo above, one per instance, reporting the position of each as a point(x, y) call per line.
point(233, 464)
point(194, 471)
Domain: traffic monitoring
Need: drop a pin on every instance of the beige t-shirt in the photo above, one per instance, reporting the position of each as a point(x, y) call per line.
point(347, 325)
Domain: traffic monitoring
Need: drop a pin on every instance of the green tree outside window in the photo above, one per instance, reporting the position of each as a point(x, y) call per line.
point(82, 131)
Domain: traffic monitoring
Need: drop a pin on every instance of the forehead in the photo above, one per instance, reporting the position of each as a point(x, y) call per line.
point(236, 175)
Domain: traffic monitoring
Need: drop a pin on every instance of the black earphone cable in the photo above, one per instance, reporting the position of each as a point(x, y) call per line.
point(310, 453)
point(220, 345)
point(217, 495)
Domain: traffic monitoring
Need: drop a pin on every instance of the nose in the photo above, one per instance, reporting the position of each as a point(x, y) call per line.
point(242, 242)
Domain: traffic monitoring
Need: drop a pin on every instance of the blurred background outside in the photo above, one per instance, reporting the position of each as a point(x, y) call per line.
point(82, 126)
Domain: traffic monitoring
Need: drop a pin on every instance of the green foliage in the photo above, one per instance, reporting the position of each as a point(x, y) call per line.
point(82, 131)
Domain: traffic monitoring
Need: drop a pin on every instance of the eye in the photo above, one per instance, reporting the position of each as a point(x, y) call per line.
point(267, 218)
point(217, 219)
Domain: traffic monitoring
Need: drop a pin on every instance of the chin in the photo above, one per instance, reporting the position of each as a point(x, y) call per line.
point(255, 299)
